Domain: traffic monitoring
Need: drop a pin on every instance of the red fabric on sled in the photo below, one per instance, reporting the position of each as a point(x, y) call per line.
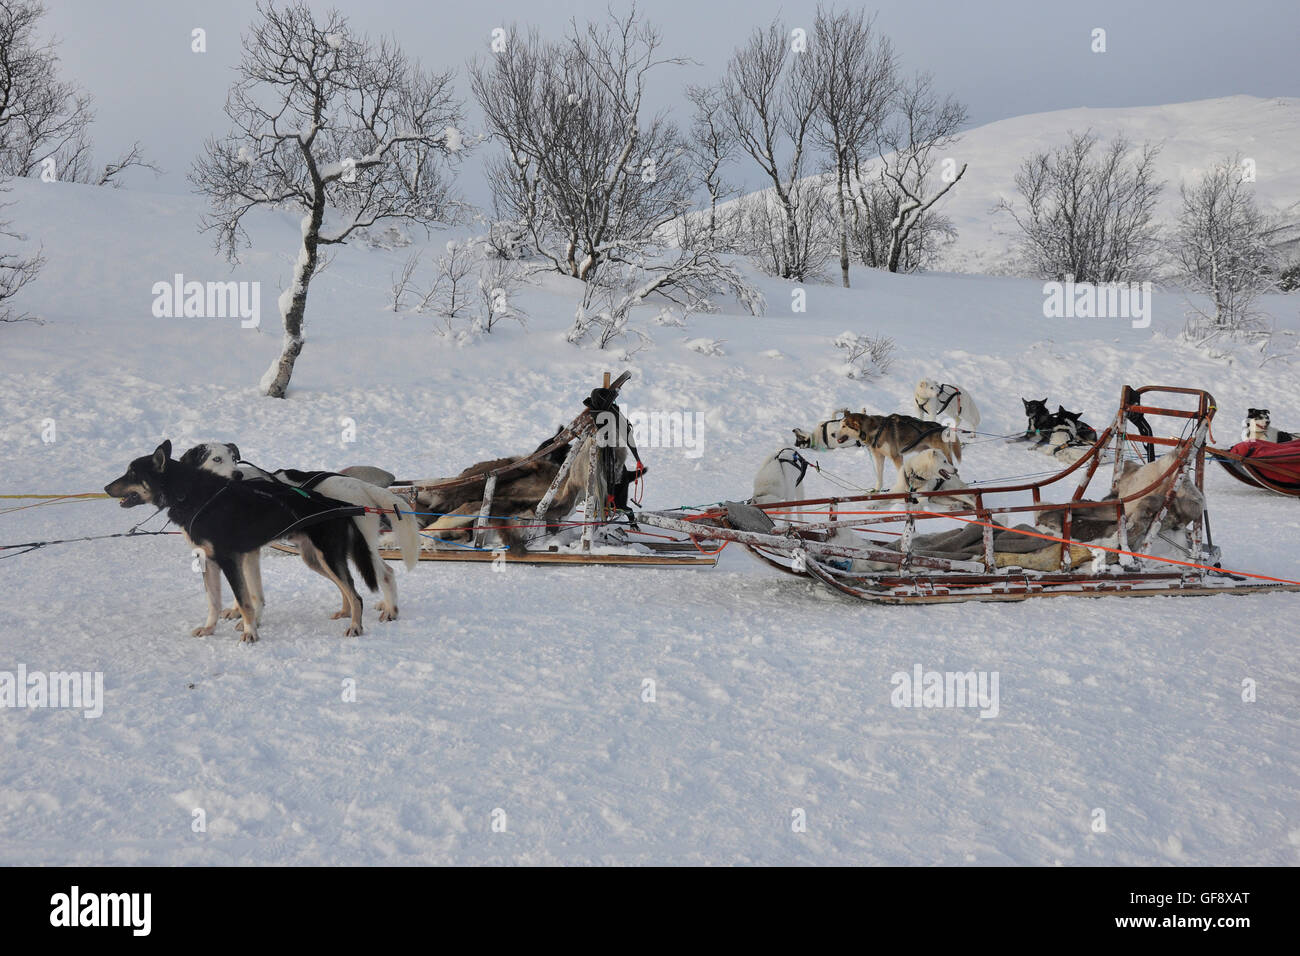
point(1283, 453)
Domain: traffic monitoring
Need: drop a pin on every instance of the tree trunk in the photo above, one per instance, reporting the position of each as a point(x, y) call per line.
point(275, 382)
point(841, 178)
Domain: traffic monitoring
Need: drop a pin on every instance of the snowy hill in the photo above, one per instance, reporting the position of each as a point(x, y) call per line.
point(521, 691)
point(1193, 137)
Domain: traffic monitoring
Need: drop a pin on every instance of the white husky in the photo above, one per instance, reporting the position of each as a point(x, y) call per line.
point(932, 471)
point(223, 459)
point(936, 401)
point(779, 478)
point(824, 436)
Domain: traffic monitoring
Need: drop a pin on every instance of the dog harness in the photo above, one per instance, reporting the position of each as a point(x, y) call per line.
point(951, 391)
point(921, 433)
point(798, 461)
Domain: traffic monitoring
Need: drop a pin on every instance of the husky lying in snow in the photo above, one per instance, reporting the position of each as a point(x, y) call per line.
point(936, 401)
point(932, 471)
point(895, 436)
point(223, 459)
point(1259, 427)
point(1061, 434)
point(823, 437)
point(230, 522)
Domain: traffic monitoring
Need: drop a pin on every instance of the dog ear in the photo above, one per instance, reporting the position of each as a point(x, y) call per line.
point(161, 454)
point(234, 452)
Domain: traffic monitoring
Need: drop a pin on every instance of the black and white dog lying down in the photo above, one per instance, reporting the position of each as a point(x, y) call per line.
point(1259, 427)
point(223, 459)
point(1062, 434)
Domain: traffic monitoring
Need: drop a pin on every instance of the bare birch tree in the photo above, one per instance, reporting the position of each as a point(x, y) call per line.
point(16, 270)
point(332, 125)
point(769, 99)
point(923, 126)
point(584, 170)
point(856, 74)
point(1222, 247)
point(45, 121)
point(1088, 216)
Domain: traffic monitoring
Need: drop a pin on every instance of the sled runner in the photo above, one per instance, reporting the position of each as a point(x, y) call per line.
point(1150, 535)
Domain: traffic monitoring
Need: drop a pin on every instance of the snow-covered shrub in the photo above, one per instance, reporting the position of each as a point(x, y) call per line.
point(868, 356)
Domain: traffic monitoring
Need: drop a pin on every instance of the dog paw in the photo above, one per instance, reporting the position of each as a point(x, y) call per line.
point(248, 637)
point(352, 631)
point(230, 613)
point(202, 631)
point(339, 614)
point(387, 615)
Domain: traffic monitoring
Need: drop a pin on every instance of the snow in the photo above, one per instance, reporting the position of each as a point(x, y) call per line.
point(1193, 137)
point(522, 690)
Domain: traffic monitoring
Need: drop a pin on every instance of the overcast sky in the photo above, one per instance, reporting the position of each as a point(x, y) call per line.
point(1000, 57)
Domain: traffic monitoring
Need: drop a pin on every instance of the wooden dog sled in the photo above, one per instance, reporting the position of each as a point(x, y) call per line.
point(595, 539)
point(855, 551)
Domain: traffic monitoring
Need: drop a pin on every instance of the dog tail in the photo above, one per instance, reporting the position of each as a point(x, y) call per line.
point(968, 409)
point(406, 527)
point(362, 556)
point(954, 450)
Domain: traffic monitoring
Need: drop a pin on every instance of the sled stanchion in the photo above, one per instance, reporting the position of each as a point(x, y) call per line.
point(566, 466)
point(480, 524)
point(592, 508)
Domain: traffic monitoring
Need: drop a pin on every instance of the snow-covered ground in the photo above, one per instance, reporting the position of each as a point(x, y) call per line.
point(1192, 137)
point(522, 691)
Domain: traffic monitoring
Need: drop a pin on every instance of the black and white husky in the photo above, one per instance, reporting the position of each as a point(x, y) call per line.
point(231, 521)
point(223, 459)
point(1259, 427)
point(1062, 434)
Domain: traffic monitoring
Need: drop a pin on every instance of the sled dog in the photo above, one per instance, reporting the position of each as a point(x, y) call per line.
point(780, 478)
point(230, 522)
point(223, 458)
point(823, 437)
point(1259, 427)
point(932, 471)
point(895, 436)
point(936, 401)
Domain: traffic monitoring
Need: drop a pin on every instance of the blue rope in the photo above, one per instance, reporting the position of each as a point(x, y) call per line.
point(455, 544)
